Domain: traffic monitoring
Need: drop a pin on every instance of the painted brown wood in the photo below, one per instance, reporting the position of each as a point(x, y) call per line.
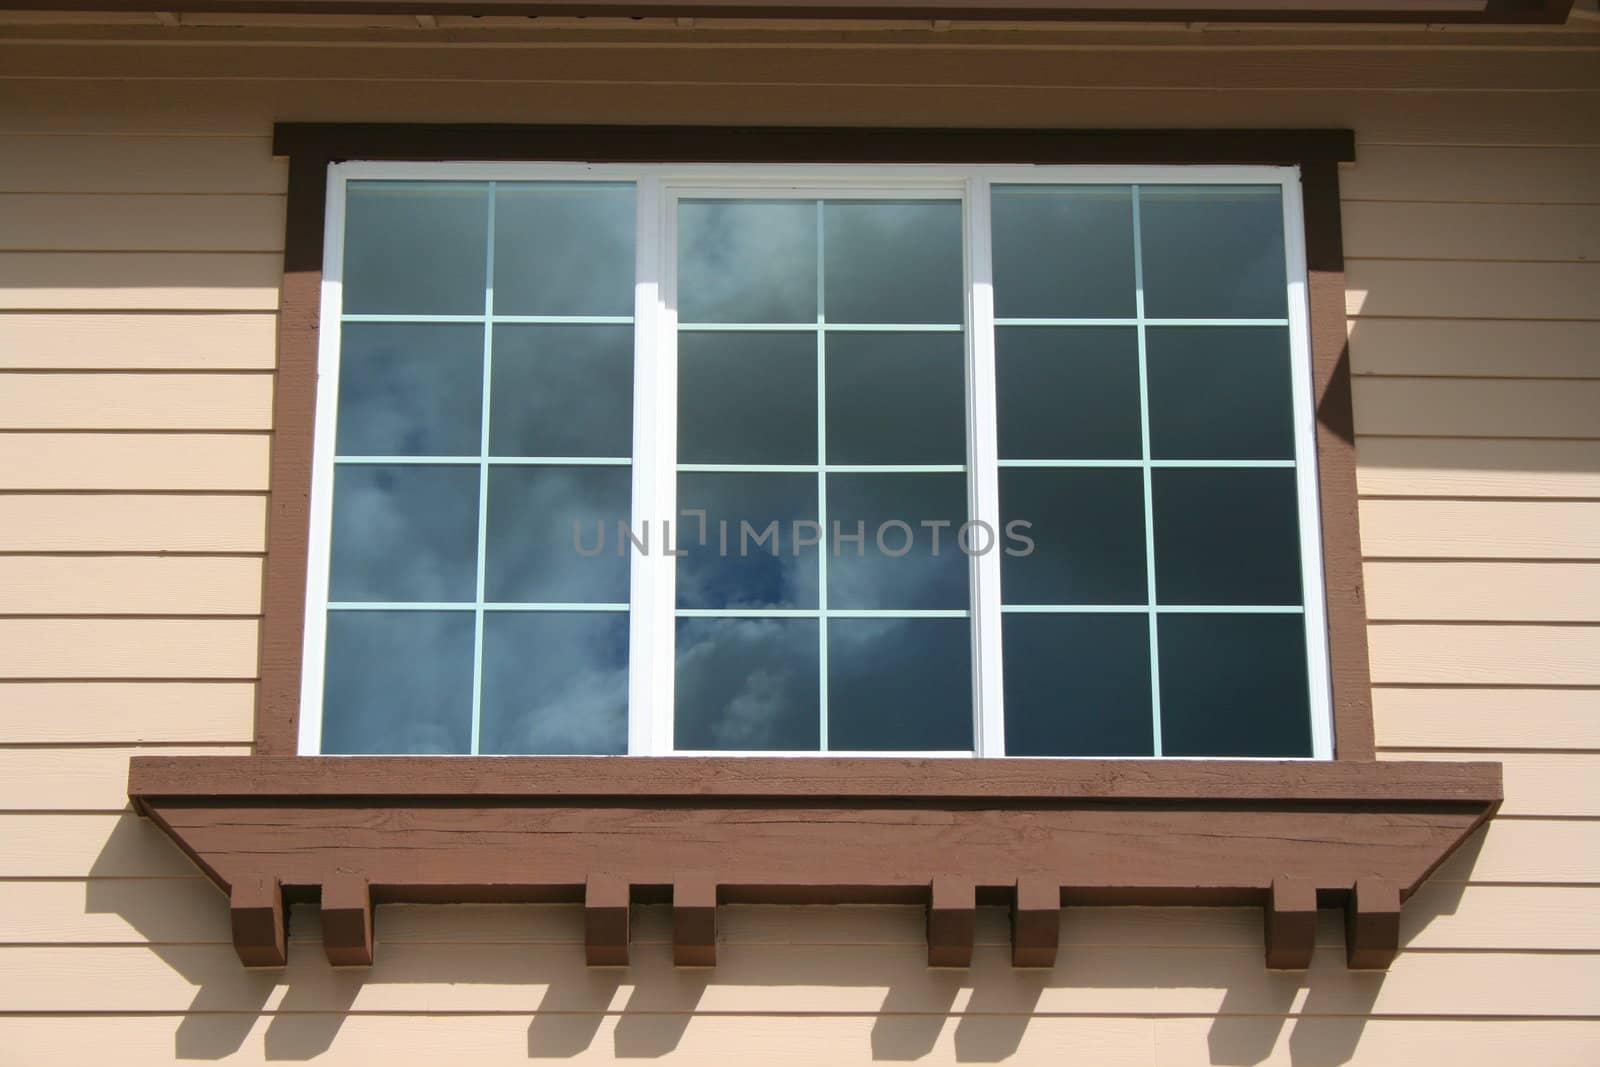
point(694, 921)
point(606, 911)
point(347, 920)
point(255, 906)
point(283, 590)
point(332, 142)
point(952, 921)
point(800, 843)
point(828, 779)
point(1035, 922)
point(1323, 11)
point(1372, 923)
point(1291, 924)
point(1344, 592)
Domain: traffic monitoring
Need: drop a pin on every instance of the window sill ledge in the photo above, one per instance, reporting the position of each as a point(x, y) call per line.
point(950, 834)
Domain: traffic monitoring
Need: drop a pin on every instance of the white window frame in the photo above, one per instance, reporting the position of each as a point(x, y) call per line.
point(654, 462)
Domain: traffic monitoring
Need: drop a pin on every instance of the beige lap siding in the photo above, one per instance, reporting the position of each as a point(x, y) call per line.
point(140, 217)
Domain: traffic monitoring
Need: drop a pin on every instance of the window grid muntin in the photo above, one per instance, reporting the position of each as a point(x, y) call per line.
point(971, 183)
point(480, 606)
point(821, 327)
point(1312, 592)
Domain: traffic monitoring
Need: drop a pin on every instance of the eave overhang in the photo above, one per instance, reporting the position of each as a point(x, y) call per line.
point(1037, 835)
point(1481, 12)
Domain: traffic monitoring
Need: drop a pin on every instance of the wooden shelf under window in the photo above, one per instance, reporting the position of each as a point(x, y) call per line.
point(1036, 835)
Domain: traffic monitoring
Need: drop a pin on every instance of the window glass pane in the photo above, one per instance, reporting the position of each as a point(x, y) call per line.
point(562, 391)
point(903, 571)
point(1063, 251)
point(1087, 532)
point(1068, 392)
point(747, 261)
point(563, 249)
point(404, 533)
point(1220, 392)
point(1077, 684)
point(896, 398)
point(747, 397)
point(749, 684)
point(899, 684)
point(1226, 536)
point(893, 261)
point(410, 390)
point(552, 535)
point(738, 558)
point(415, 248)
point(1213, 251)
point(555, 683)
point(1234, 685)
point(397, 682)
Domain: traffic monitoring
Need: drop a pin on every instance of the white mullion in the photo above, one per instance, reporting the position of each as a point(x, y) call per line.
point(1149, 494)
point(1307, 484)
point(655, 399)
point(324, 438)
point(822, 490)
point(983, 477)
point(483, 479)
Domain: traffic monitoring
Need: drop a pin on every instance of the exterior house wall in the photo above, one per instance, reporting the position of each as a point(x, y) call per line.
point(141, 219)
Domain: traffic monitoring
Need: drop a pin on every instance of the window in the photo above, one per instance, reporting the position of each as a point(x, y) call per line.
point(722, 459)
point(285, 824)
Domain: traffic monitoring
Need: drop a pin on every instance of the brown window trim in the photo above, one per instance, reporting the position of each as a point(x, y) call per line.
point(1482, 12)
point(950, 834)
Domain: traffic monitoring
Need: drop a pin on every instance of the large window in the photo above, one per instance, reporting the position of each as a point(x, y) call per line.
point(998, 461)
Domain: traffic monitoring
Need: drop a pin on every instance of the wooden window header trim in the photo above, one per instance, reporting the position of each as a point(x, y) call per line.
point(1481, 12)
point(949, 834)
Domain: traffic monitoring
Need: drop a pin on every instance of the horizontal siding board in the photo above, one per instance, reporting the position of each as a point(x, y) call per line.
point(1471, 231)
point(88, 845)
point(1527, 851)
point(170, 911)
point(971, 66)
point(776, 978)
point(1475, 348)
point(1428, 654)
point(141, 341)
point(1492, 175)
point(80, 778)
point(149, 401)
point(1460, 467)
point(114, 649)
point(129, 281)
point(1483, 592)
point(1456, 407)
point(136, 462)
point(798, 1040)
point(1444, 289)
point(783, 1040)
point(492, 1041)
point(80, 222)
point(113, 163)
point(182, 106)
point(1544, 784)
point(129, 585)
point(1467, 529)
point(132, 522)
point(126, 712)
point(1487, 718)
